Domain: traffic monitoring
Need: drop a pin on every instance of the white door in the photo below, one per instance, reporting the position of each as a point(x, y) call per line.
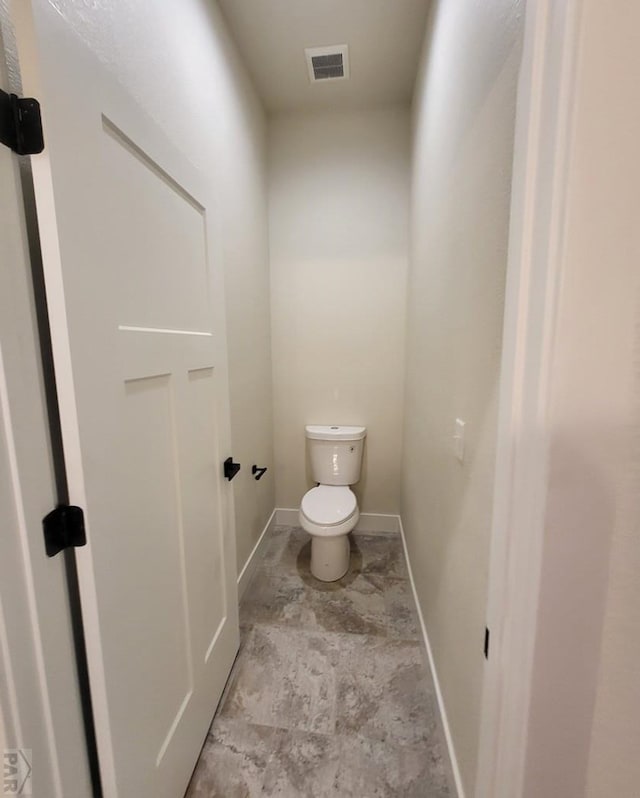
point(137, 314)
point(40, 710)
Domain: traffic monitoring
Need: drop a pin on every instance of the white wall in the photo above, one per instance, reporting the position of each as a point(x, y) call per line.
point(584, 732)
point(179, 62)
point(464, 115)
point(339, 191)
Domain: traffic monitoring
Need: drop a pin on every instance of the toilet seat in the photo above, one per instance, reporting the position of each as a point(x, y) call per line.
point(329, 510)
point(328, 505)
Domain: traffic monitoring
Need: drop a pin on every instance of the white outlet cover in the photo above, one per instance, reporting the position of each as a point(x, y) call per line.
point(458, 439)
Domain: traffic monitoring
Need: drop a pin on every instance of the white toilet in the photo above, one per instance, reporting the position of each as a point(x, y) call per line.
point(330, 511)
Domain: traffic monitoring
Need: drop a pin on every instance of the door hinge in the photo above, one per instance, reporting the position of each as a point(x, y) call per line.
point(21, 124)
point(63, 528)
point(486, 642)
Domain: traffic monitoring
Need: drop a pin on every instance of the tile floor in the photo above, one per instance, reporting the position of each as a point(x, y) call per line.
point(330, 694)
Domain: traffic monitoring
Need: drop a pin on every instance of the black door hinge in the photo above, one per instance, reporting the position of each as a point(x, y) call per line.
point(21, 124)
point(63, 528)
point(486, 642)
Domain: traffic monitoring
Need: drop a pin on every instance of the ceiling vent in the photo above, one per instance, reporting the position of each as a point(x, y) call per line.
point(328, 63)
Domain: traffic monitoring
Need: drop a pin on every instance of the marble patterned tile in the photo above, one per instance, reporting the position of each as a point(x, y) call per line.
point(283, 590)
point(356, 608)
point(372, 768)
point(303, 764)
point(277, 543)
point(233, 761)
point(318, 766)
point(402, 617)
point(384, 692)
point(330, 694)
point(285, 680)
point(296, 553)
point(382, 555)
point(362, 604)
point(370, 553)
point(276, 597)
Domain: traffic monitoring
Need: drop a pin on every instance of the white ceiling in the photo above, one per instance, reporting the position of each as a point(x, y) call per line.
point(384, 38)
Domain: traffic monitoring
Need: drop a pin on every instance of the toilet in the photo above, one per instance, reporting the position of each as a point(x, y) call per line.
point(329, 511)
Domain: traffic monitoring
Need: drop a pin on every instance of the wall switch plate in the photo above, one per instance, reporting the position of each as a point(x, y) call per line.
point(458, 440)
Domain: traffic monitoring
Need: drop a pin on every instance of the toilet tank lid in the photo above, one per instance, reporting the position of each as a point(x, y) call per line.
point(334, 433)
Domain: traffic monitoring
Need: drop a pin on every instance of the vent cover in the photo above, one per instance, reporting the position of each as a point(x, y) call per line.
point(328, 63)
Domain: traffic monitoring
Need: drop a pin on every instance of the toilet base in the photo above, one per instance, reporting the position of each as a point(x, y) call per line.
point(330, 557)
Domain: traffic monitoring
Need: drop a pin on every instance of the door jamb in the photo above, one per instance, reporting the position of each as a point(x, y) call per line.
point(544, 127)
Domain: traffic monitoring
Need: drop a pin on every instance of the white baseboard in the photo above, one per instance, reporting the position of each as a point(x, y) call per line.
point(256, 555)
point(371, 523)
point(443, 712)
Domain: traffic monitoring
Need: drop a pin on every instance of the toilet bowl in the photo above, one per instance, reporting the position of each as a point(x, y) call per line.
point(329, 511)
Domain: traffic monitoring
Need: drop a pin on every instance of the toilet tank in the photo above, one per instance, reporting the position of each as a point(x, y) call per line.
point(336, 453)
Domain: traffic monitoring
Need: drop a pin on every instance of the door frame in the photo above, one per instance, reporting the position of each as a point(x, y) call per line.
point(543, 136)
